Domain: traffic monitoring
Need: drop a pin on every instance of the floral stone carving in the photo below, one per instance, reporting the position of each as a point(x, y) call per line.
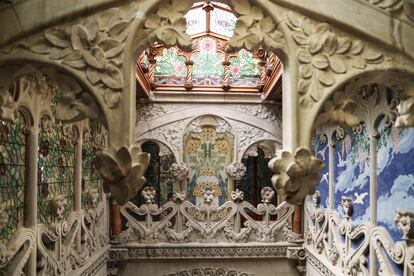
point(179, 170)
point(167, 26)
point(295, 175)
point(236, 170)
point(322, 54)
point(123, 171)
point(254, 29)
point(405, 222)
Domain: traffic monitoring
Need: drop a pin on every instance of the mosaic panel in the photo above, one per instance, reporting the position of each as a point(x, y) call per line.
point(208, 61)
point(55, 171)
point(12, 176)
point(208, 154)
point(170, 64)
point(244, 69)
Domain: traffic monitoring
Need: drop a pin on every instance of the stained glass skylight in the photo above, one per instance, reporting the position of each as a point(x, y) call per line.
point(196, 21)
point(222, 22)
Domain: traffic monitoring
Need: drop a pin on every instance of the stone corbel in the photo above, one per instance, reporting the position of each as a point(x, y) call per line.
point(296, 175)
point(122, 171)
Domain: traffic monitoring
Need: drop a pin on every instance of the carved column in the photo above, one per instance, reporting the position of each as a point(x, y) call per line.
point(262, 68)
point(297, 220)
point(152, 64)
point(77, 188)
point(226, 77)
point(30, 207)
point(189, 76)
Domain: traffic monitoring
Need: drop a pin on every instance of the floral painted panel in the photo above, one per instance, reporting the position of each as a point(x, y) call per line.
point(12, 176)
point(91, 178)
point(55, 171)
point(208, 154)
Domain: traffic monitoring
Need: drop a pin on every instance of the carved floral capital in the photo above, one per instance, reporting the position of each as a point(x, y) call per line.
point(122, 171)
point(296, 175)
point(236, 170)
point(179, 170)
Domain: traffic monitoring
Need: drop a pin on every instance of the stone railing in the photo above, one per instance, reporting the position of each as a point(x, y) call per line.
point(337, 246)
point(180, 221)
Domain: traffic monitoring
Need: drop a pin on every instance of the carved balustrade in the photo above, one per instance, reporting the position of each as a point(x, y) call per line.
point(179, 220)
point(336, 245)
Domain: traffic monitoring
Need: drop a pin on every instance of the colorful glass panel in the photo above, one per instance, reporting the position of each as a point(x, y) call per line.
point(55, 171)
point(12, 176)
point(196, 21)
point(244, 69)
point(222, 22)
point(208, 66)
point(91, 178)
point(170, 64)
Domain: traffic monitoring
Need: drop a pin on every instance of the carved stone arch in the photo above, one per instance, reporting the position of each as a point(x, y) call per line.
point(159, 142)
point(338, 108)
point(263, 143)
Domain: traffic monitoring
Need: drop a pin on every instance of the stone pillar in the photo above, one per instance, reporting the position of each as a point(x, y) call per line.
point(373, 199)
point(297, 220)
point(30, 208)
point(77, 202)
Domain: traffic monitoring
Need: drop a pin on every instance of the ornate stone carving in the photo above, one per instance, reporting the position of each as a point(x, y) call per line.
point(179, 170)
point(208, 272)
point(323, 54)
point(254, 29)
point(60, 236)
point(347, 206)
point(148, 193)
point(169, 134)
point(236, 170)
point(166, 26)
point(405, 222)
point(122, 171)
point(93, 45)
point(15, 254)
point(295, 175)
point(406, 109)
point(207, 222)
point(237, 195)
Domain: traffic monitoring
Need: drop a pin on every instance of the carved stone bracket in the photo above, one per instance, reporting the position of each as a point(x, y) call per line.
point(295, 175)
point(122, 171)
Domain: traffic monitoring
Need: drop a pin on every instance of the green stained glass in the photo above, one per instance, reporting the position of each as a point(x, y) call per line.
point(12, 176)
point(91, 178)
point(208, 63)
point(244, 69)
point(55, 171)
point(170, 64)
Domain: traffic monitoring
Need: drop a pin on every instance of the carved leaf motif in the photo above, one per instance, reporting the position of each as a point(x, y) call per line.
point(75, 60)
point(58, 38)
point(119, 30)
point(327, 53)
point(79, 37)
point(113, 77)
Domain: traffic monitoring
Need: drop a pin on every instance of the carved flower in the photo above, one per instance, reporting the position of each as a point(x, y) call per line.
point(323, 54)
point(267, 194)
point(347, 206)
point(122, 172)
point(253, 29)
point(179, 170)
point(208, 195)
point(295, 175)
point(58, 206)
point(148, 193)
point(168, 25)
point(237, 195)
point(405, 220)
point(93, 198)
point(179, 196)
point(236, 170)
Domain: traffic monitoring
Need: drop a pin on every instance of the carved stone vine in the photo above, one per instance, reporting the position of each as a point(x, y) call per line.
point(323, 54)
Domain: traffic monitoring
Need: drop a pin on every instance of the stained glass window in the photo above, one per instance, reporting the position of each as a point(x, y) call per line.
point(196, 21)
point(170, 68)
point(208, 68)
point(12, 176)
point(91, 178)
point(55, 171)
point(222, 22)
point(244, 69)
